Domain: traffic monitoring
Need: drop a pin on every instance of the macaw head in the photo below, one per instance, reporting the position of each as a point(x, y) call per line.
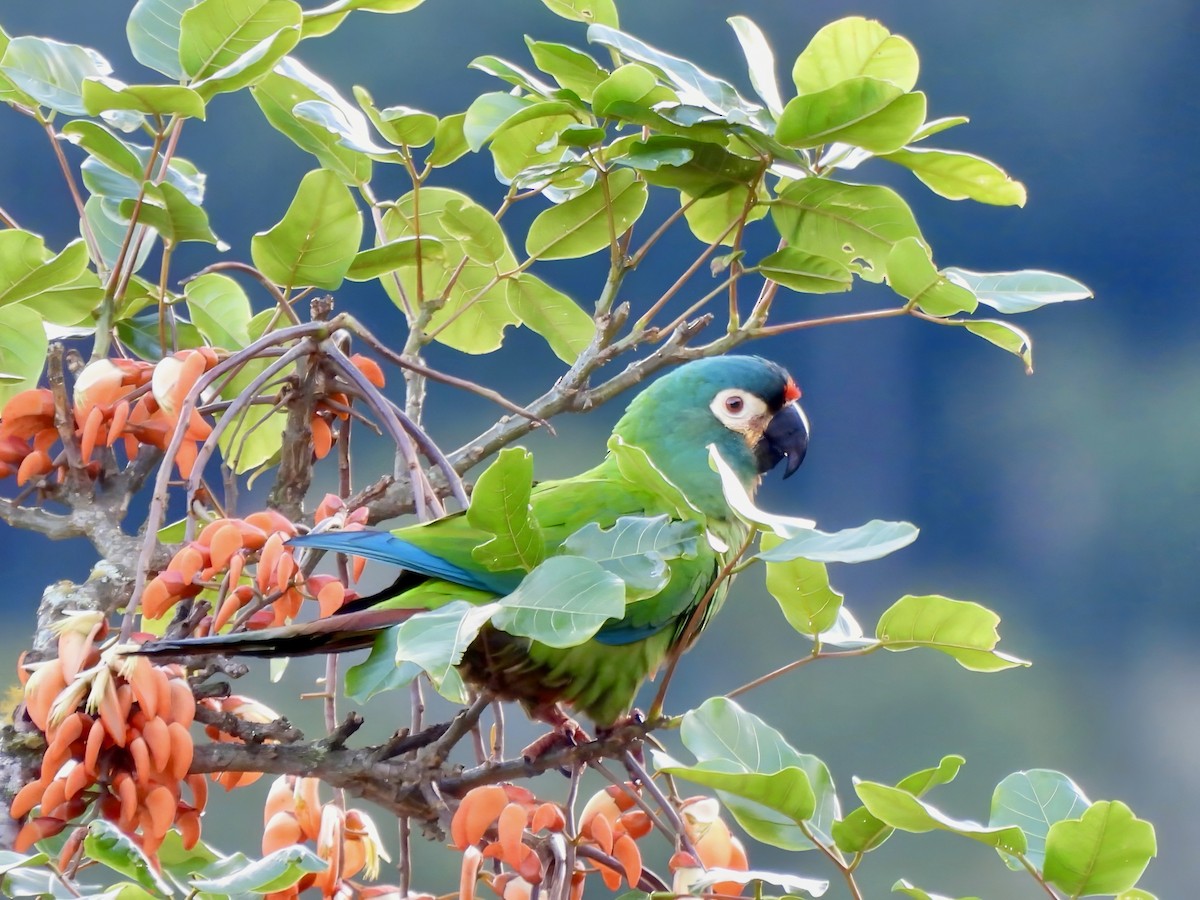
point(746, 405)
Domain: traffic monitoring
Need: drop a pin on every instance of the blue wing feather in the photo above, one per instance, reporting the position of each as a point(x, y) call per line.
point(383, 546)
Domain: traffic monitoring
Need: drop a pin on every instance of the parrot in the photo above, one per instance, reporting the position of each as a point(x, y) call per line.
point(746, 406)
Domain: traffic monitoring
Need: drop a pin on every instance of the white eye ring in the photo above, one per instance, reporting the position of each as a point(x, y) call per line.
point(737, 410)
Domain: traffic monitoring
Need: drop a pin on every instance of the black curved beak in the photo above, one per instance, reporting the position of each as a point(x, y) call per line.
point(786, 436)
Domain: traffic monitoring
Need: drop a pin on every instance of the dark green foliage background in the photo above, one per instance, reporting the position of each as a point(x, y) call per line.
point(1066, 502)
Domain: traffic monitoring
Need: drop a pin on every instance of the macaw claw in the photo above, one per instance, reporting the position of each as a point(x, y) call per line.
point(567, 733)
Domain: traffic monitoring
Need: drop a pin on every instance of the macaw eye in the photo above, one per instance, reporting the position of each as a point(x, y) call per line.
point(739, 411)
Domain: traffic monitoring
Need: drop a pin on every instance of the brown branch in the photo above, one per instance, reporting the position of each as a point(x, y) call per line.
point(399, 785)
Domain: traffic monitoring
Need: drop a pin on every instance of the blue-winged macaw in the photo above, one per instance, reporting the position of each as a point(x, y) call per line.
point(744, 405)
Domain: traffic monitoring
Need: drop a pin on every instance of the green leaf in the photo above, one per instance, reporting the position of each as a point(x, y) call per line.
point(1017, 292)
point(603, 12)
point(759, 60)
point(846, 222)
point(852, 47)
point(476, 230)
point(513, 74)
point(320, 22)
point(874, 540)
point(912, 275)
point(740, 502)
point(449, 141)
point(28, 269)
point(1104, 851)
point(581, 136)
point(636, 549)
point(475, 312)
point(1034, 800)
point(408, 126)
point(274, 872)
point(379, 671)
point(698, 168)
point(51, 72)
point(181, 862)
point(724, 736)
point(630, 84)
point(572, 69)
point(486, 114)
point(636, 466)
point(216, 33)
point(694, 86)
point(153, 31)
point(393, 255)
point(588, 223)
point(348, 125)
point(500, 507)
point(220, 309)
point(563, 602)
point(806, 272)
point(936, 126)
point(97, 141)
point(963, 630)
point(552, 314)
point(901, 810)
point(111, 184)
point(903, 886)
point(103, 94)
point(140, 334)
point(530, 138)
point(786, 792)
point(868, 113)
point(317, 238)
point(291, 84)
point(710, 217)
point(254, 439)
point(10, 94)
point(960, 176)
point(26, 876)
point(168, 211)
point(802, 590)
point(436, 640)
point(252, 66)
point(399, 125)
point(793, 884)
point(860, 831)
point(109, 227)
point(105, 844)
point(1005, 336)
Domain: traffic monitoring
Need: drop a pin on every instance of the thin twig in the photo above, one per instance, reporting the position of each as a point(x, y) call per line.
point(799, 663)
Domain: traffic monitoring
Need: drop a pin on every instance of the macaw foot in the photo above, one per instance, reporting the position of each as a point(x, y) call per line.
point(634, 717)
point(567, 732)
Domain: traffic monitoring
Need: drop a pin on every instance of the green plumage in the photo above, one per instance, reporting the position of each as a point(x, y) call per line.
point(663, 437)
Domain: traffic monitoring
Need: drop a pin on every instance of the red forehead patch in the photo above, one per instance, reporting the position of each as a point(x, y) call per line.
point(791, 392)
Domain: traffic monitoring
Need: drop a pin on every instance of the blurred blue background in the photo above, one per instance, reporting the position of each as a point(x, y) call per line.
point(1066, 501)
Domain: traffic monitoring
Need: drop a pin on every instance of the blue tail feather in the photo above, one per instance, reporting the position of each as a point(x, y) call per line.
point(383, 546)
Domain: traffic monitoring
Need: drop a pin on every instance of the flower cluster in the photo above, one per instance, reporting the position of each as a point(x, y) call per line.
point(219, 561)
point(117, 736)
point(346, 838)
point(509, 824)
